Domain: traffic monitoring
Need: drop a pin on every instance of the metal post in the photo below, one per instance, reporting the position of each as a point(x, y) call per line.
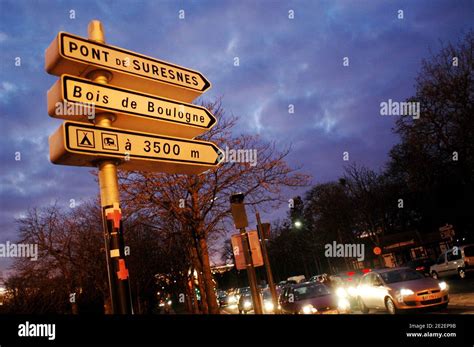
point(266, 261)
point(257, 304)
point(110, 201)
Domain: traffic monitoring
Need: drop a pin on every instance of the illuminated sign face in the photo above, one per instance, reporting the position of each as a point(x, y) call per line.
point(76, 55)
point(78, 144)
point(133, 110)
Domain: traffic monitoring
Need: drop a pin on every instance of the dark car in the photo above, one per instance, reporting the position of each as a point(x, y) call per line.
point(421, 265)
point(345, 284)
point(222, 298)
point(310, 298)
point(245, 303)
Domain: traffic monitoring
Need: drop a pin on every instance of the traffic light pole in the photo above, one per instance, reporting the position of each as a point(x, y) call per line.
point(266, 261)
point(257, 304)
point(119, 284)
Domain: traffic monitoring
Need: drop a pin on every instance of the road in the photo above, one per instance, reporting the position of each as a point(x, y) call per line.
point(461, 300)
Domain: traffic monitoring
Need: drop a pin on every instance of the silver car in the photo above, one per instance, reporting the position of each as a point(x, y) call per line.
point(397, 289)
point(456, 261)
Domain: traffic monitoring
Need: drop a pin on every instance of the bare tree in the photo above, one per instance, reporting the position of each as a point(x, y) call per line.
point(200, 203)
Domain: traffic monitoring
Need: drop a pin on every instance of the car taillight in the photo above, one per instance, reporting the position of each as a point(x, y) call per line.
point(350, 273)
point(366, 270)
point(418, 268)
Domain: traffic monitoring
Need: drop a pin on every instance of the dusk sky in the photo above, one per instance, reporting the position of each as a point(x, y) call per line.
point(282, 61)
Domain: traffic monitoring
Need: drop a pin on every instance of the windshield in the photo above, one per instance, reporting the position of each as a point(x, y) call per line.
point(401, 275)
point(310, 291)
point(416, 262)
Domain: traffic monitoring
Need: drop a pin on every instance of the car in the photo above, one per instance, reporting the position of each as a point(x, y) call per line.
point(458, 261)
point(347, 279)
point(400, 289)
point(421, 265)
point(242, 291)
point(238, 293)
point(222, 298)
point(245, 304)
point(232, 297)
point(315, 278)
point(296, 279)
point(311, 298)
point(267, 300)
point(345, 284)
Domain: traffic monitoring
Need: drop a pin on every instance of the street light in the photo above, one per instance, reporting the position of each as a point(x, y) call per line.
point(298, 224)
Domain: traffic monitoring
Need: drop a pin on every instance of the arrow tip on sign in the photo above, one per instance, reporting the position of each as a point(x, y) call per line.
point(212, 118)
point(207, 84)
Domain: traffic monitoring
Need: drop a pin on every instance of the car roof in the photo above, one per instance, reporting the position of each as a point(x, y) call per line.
point(380, 271)
point(298, 285)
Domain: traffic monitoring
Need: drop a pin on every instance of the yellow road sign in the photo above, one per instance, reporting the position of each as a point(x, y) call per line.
point(80, 144)
point(78, 56)
point(133, 110)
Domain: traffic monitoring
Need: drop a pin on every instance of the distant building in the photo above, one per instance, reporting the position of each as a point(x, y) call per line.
point(399, 248)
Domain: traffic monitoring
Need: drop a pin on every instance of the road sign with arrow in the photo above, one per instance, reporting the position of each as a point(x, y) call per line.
point(79, 144)
point(133, 110)
point(78, 56)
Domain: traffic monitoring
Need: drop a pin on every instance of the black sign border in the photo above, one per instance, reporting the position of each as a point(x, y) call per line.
point(65, 78)
point(206, 86)
point(68, 147)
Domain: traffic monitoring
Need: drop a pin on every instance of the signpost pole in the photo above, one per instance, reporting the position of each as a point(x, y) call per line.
point(266, 261)
point(257, 303)
point(110, 201)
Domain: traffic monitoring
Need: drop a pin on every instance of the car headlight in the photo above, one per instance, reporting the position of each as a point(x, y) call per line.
point(341, 292)
point(352, 291)
point(404, 292)
point(443, 285)
point(268, 306)
point(309, 309)
point(247, 304)
point(343, 304)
